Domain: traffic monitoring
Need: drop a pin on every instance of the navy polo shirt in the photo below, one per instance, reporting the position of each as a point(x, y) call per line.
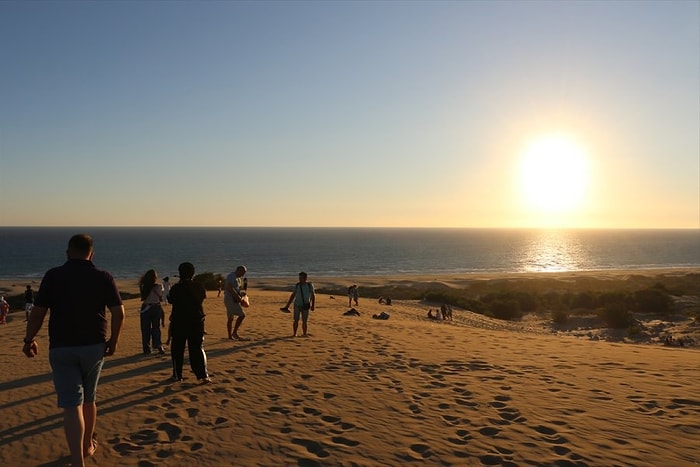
point(77, 295)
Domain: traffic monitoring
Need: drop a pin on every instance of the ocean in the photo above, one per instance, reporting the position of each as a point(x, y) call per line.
point(127, 252)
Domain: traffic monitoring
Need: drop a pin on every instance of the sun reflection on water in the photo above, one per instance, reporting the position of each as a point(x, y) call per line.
point(552, 251)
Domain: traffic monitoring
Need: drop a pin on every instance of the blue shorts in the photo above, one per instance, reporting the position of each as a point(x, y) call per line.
point(298, 310)
point(76, 371)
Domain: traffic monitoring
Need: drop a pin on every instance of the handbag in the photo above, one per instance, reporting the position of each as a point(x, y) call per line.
point(245, 301)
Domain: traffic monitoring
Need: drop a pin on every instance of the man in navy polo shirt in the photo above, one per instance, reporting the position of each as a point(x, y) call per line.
point(77, 294)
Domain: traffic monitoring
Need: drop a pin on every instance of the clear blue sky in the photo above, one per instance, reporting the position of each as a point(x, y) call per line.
point(339, 113)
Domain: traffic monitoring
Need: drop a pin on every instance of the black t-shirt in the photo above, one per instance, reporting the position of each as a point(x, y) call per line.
point(77, 295)
point(187, 315)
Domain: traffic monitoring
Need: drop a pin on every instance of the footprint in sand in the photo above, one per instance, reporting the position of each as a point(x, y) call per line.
point(466, 403)
point(458, 441)
point(314, 447)
point(277, 409)
point(511, 415)
point(172, 431)
point(489, 431)
point(551, 435)
point(219, 422)
point(462, 439)
point(414, 408)
point(311, 411)
point(462, 391)
point(126, 449)
point(422, 449)
point(680, 403)
point(450, 419)
point(345, 441)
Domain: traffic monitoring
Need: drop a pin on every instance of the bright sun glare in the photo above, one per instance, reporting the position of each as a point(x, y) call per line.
point(554, 175)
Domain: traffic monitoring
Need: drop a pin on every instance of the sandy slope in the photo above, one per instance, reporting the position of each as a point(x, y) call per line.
point(367, 392)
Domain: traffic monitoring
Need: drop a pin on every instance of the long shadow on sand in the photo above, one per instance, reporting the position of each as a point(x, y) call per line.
point(123, 401)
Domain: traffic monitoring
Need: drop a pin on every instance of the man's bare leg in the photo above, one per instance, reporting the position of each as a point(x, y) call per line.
point(303, 327)
point(295, 326)
point(229, 326)
point(238, 325)
point(74, 426)
point(90, 420)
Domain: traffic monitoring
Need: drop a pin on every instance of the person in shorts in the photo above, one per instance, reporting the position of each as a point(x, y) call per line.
point(304, 298)
point(78, 295)
point(233, 294)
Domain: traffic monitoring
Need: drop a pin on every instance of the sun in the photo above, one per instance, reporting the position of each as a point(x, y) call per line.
point(553, 175)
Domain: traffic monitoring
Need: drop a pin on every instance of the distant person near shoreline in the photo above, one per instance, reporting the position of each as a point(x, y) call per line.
point(353, 295)
point(28, 301)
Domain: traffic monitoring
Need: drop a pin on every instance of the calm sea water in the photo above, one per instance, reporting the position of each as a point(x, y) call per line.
point(283, 252)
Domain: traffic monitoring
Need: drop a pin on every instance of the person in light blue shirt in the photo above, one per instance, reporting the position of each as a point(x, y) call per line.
point(304, 298)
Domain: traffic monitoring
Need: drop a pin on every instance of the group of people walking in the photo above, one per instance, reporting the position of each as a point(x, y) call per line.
point(79, 296)
point(186, 322)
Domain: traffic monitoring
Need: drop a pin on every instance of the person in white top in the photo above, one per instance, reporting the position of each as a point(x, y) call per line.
point(152, 314)
point(234, 291)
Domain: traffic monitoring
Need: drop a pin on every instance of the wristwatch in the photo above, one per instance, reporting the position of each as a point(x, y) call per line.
point(28, 341)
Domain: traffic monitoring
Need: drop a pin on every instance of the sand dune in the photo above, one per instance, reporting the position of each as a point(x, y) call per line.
point(367, 392)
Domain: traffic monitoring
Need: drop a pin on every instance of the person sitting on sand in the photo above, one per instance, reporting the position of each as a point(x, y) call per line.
point(430, 314)
point(381, 315)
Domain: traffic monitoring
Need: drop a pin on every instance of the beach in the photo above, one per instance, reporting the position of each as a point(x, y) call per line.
point(368, 392)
